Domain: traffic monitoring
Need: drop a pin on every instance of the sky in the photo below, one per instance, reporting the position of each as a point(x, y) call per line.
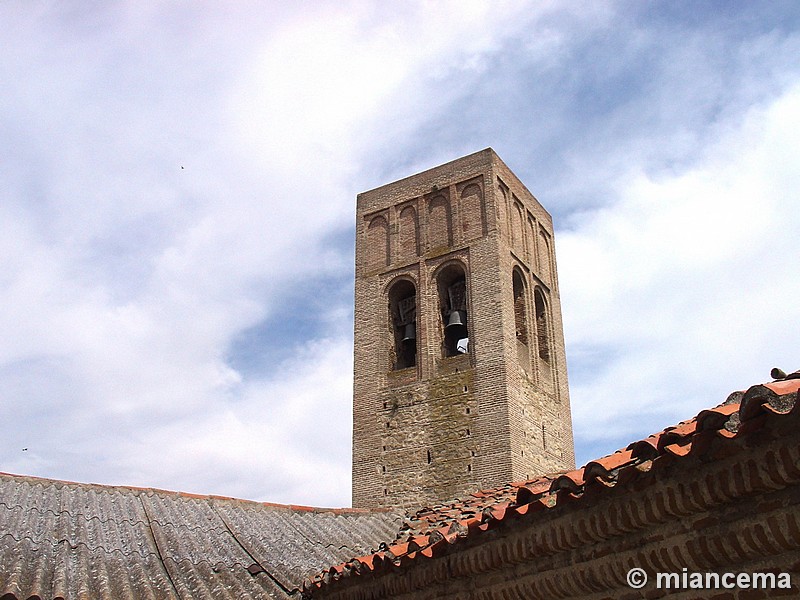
point(177, 215)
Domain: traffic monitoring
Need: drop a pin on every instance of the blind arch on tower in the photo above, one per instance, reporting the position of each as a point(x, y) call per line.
point(517, 228)
point(440, 228)
point(377, 246)
point(472, 211)
point(545, 271)
point(408, 233)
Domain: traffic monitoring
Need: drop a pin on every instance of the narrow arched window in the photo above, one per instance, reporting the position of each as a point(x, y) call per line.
point(542, 337)
point(452, 285)
point(520, 310)
point(403, 321)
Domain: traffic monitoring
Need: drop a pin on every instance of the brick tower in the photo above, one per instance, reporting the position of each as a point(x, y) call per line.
point(460, 370)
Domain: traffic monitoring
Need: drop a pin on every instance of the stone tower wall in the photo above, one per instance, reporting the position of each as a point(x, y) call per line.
point(452, 424)
point(538, 394)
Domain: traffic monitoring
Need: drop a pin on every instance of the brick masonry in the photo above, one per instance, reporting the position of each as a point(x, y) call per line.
point(449, 425)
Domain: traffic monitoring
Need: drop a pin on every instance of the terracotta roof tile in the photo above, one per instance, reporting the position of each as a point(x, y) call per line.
point(645, 449)
point(451, 523)
point(604, 469)
point(715, 418)
point(786, 386)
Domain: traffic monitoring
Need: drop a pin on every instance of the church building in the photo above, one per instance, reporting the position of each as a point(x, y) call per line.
point(464, 478)
point(460, 369)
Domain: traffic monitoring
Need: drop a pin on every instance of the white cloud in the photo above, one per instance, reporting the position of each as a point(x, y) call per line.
point(172, 173)
point(284, 439)
point(371, 75)
point(688, 278)
point(169, 171)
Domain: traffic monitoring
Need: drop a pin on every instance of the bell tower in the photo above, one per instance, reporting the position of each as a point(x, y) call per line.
point(460, 369)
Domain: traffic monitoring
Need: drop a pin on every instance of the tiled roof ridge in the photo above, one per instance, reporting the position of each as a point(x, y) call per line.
point(150, 491)
point(741, 413)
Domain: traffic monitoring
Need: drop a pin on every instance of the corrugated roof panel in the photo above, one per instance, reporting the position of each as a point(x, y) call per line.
point(305, 538)
point(352, 533)
point(19, 576)
point(80, 541)
point(65, 542)
point(272, 541)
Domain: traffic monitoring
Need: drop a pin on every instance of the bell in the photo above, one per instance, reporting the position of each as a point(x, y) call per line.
point(456, 324)
point(409, 333)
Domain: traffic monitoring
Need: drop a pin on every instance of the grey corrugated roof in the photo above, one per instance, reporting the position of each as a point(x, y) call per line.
point(70, 540)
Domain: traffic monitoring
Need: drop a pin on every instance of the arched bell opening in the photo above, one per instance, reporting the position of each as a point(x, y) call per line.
point(520, 308)
point(452, 286)
point(521, 327)
point(542, 336)
point(403, 320)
